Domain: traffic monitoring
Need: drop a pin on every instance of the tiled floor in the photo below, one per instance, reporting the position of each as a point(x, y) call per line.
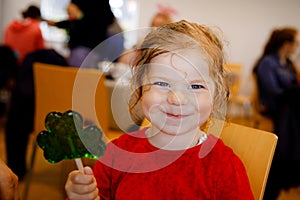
point(47, 181)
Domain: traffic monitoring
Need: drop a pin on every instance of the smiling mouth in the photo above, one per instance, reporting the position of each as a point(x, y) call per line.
point(178, 116)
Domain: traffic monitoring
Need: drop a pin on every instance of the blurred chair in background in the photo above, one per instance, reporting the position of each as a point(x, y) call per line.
point(60, 89)
point(239, 105)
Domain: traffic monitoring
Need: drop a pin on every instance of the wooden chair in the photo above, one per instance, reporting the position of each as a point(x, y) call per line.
point(254, 147)
point(59, 88)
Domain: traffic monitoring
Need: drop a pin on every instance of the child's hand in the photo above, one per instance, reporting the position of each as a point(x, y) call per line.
point(8, 183)
point(82, 186)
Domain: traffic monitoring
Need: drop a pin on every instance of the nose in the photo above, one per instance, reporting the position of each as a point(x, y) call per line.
point(177, 98)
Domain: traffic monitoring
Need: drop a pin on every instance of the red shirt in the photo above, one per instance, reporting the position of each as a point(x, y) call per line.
point(24, 37)
point(134, 169)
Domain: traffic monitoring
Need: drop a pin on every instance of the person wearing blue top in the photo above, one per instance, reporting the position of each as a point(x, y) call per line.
point(279, 92)
point(275, 71)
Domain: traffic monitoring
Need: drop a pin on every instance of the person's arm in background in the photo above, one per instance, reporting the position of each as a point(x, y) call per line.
point(61, 24)
point(8, 183)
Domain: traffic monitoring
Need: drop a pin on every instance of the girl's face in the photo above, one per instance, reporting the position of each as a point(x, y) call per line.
point(178, 92)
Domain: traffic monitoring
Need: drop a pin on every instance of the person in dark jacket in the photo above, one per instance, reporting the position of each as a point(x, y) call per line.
point(8, 69)
point(87, 27)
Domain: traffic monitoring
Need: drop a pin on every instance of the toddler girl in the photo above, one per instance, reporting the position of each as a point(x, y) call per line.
point(178, 79)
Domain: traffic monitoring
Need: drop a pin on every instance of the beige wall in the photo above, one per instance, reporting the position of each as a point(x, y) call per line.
point(246, 23)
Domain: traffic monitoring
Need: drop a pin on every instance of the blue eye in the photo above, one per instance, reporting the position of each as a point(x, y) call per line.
point(196, 86)
point(162, 84)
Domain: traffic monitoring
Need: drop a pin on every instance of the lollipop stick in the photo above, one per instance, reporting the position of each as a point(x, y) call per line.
point(79, 164)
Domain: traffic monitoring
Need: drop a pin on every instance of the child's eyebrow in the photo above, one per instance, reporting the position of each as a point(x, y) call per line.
point(169, 79)
point(198, 81)
point(158, 77)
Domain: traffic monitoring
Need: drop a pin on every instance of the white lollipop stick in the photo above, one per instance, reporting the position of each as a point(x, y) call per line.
point(79, 164)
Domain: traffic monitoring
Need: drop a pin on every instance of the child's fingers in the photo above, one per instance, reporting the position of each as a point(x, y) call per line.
point(79, 178)
point(85, 188)
point(90, 196)
point(81, 186)
point(86, 192)
point(88, 170)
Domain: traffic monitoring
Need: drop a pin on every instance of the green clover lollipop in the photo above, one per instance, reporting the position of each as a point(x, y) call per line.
point(65, 138)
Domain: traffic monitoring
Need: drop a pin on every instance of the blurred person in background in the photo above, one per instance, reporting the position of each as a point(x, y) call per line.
point(279, 93)
point(20, 114)
point(163, 16)
point(8, 70)
point(87, 27)
point(25, 36)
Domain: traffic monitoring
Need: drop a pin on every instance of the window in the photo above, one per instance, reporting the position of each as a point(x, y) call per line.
point(126, 13)
point(54, 10)
point(124, 10)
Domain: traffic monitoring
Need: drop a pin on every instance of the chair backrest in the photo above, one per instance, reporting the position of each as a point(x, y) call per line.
point(256, 150)
point(59, 89)
point(253, 146)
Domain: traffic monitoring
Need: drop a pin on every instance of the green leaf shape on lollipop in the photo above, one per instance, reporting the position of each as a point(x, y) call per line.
point(65, 138)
